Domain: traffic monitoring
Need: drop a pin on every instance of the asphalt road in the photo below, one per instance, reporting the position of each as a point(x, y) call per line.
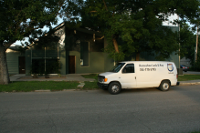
point(96, 111)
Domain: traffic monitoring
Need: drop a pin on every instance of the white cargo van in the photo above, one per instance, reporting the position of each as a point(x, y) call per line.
point(139, 74)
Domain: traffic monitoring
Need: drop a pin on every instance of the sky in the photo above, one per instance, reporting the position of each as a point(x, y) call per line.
point(171, 18)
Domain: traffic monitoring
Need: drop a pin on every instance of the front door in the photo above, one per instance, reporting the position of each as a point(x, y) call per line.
point(22, 65)
point(128, 77)
point(72, 64)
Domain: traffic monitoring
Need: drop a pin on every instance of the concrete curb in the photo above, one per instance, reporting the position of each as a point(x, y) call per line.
point(194, 83)
point(42, 91)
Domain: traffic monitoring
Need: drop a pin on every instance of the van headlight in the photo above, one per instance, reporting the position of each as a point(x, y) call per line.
point(102, 79)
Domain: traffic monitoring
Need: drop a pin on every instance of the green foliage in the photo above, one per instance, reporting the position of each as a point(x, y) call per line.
point(187, 41)
point(188, 45)
point(49, 40)
point(25, 18)
point(137, 25)
point(188, 77)
point(196, 66)
point(90, 85)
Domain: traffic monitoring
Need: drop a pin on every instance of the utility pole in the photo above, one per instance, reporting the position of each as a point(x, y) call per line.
point(196, 50)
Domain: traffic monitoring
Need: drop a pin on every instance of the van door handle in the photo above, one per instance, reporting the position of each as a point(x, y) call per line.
point(135, 77)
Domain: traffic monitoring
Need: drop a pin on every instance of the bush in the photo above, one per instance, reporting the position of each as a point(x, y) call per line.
point(196, 66)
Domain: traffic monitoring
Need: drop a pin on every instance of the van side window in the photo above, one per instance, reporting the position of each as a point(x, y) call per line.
point(129, 68)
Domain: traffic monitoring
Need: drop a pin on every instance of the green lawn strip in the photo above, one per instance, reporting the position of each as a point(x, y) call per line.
point(90, 85)
point(188, 77)
point(26, 86)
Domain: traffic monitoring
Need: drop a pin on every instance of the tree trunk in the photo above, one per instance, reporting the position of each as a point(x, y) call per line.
point(4, 77)
point(115, 45)
point(137, 58)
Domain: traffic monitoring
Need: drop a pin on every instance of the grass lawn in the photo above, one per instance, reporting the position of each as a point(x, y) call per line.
point(91, 85)
point(26, 86)
point(188, 77)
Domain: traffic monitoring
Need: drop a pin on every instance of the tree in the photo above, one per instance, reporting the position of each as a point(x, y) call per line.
point(188, 44)
point(187, 41)
point(135, 26)
point(23, 18)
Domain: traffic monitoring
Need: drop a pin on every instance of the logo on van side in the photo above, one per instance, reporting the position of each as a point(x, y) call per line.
point(170, 67)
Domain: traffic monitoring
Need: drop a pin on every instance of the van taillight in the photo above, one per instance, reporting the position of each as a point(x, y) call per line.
point(176, 76)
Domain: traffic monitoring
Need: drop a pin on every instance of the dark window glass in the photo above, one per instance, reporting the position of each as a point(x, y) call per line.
point(117, 67)
point(84, 53)
point(129, 68)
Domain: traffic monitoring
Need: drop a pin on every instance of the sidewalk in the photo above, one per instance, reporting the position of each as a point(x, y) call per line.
point(69, 77)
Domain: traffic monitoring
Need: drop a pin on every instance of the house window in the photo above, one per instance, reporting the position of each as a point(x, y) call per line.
point(84, 51)
point(40, 66)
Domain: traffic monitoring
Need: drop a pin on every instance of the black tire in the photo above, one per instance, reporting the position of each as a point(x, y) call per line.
point(114, 88)
point(165, 86)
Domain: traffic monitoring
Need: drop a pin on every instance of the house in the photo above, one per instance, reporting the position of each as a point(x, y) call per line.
point(15, 60)
point(78, 51)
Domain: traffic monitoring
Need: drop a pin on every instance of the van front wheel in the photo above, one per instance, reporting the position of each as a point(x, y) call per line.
point(114, 88)
point(164, 86)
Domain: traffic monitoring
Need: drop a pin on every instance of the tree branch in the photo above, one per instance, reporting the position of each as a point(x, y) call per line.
point(105, 5)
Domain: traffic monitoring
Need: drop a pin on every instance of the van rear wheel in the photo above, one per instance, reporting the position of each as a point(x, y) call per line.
point(114, 88)
point(165, 86)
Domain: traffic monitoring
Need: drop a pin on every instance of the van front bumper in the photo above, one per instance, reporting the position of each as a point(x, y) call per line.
point(102, 86)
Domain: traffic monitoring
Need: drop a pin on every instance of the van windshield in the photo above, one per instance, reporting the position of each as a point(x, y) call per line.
point(117, 67)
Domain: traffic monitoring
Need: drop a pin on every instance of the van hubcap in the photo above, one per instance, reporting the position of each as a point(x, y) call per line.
point(115, 88)
point(165, 86)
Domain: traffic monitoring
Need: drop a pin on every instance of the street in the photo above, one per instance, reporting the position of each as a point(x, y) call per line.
point(96, 111)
